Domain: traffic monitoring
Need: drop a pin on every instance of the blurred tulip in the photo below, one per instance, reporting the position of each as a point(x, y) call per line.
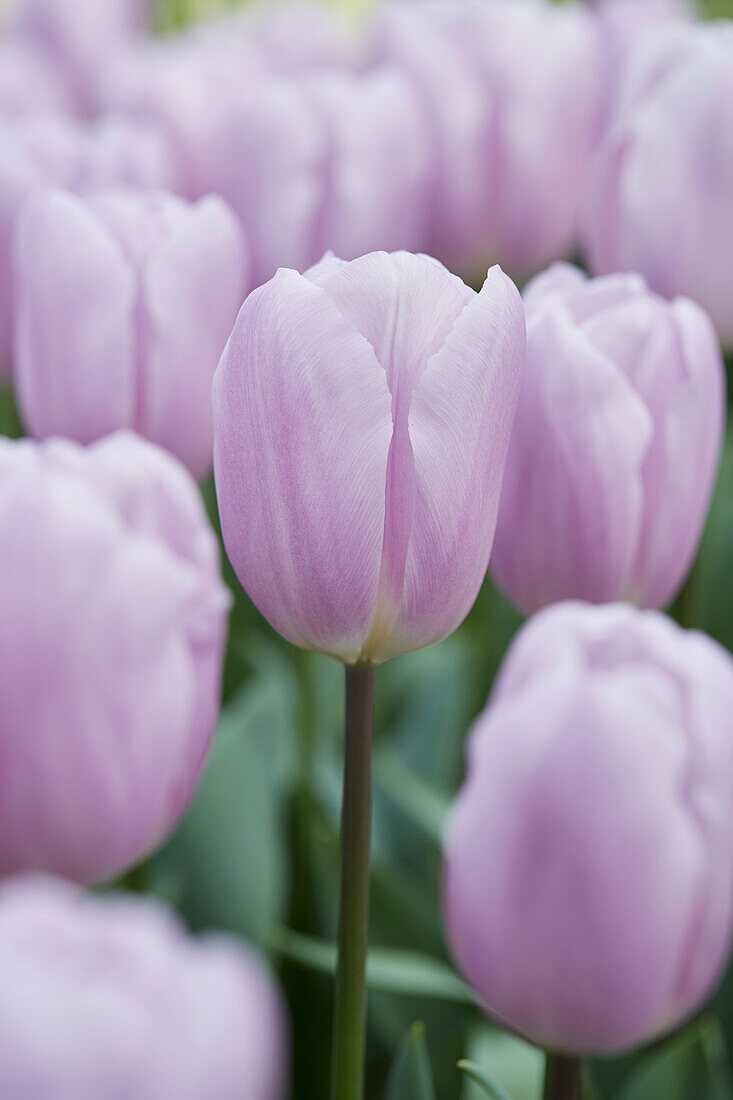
point(114, 620)
point(588, 885)
point(615, 446)
point(362, 413)
point(36, 154)
point(660, 193)
point(108, 997)
point(512, 93)
point(329, 162)
point(123, 305)
point(80, 37)
point(187, 85)
point(29, 82)
point(294, 35)
point(626, 26)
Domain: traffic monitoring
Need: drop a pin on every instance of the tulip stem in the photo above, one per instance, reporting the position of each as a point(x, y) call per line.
point(563, 1077)
point(356, 810)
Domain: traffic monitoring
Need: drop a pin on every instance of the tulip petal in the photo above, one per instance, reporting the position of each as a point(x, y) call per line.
point(74, 353)
point(193, 288)
point(459, 422)
point(576, 410)
point(302, 432)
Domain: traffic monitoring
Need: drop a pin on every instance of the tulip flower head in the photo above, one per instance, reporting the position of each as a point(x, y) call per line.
point(105, 997)
point(111, 655)
point(123, 304)
point(659, 197)
point(588, 889)
point(615, 447)
point(54, 151)
point(362, 413)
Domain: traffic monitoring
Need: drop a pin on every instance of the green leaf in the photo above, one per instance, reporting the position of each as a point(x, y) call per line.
point(690, 1066)
point(423, 804)
point(9, 419)
point(230, 853)
point(404, 973)
point(411, 1076)
point(511, 1066)
point(482, 1079)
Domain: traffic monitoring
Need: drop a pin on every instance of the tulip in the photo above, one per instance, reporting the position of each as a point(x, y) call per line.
point(123, 304)
point(80, 38)
point(661, 185)
point(512, 95)
point(626, 26)
point(36, 154)
point(327, 162)
point(109, 997)
point(29, 82)
point(187, 86)
point(588, 877)
point(615, 446)
point(114, 620)
point(361, 418)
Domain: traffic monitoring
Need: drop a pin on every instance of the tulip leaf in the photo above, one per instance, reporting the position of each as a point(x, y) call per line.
point(423, 804)
point(690, 1066)
point(230, 852)
point(511, 1066)
point(481, 1078)
point(404, 973)
point(9, 419)
point(411, 1076)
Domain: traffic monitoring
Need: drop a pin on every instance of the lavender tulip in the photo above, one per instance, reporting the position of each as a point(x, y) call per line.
point(361, 417)
point(616, 443)
point(80, 37)
point(588, 889)
point(36, 154)
point(105, 997)
point(123, 306)
point(331, 161)
point(187, 85)
point(660, 195)
point(512, 94)
point(29, 81)
point(626, 26)
point(110, 657)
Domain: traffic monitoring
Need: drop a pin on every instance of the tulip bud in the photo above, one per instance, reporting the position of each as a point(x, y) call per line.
point(114, 620)
point(588, 880)
point(615, 446)
point(108, 997)
point(361, 417)
point(123, 305)
point(512, 96)
point(327, 162)
point(661, 186)
point(36, 154)
point(80, 37)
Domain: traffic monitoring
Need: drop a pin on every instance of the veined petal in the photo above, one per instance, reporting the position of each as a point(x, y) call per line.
point(302, 432)
point(460, 420)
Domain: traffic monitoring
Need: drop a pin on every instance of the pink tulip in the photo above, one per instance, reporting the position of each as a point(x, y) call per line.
point(123, 304)
point(39, 153)
point(616, 443)
point(660, 191)
point(511, 92)
point(29, 81)
point(588, 888)
point(327, 162)
point(80, 37)
point(110, 658)
point(108, 997)
point(361, 417)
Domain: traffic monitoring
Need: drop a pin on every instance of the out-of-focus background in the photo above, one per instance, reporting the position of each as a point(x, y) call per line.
point(257, 853)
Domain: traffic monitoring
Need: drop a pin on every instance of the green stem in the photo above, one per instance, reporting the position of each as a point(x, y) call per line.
point(563, 1077)
point(347, 1081)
